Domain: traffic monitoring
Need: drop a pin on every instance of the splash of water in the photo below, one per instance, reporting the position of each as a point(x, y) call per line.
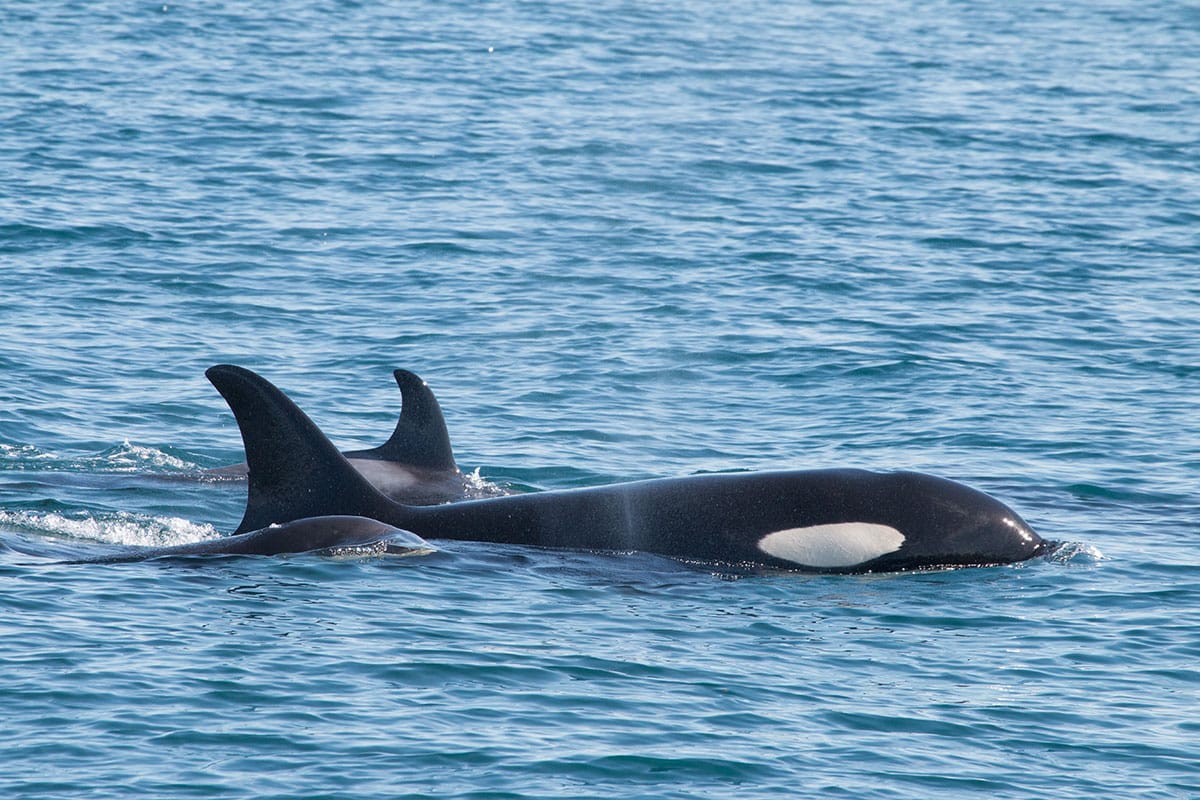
point(479, 487)
point(119, 528)
point(1076, 553)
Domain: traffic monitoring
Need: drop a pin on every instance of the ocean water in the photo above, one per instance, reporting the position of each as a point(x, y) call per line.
point(619, 241)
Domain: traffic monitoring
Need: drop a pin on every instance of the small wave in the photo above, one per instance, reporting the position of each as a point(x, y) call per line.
point(478, 487)
point(23, 452)
point(384, 547)
point(128, 457)
point(124, 458)
point(120, 528)
point(1076, 553)
point(358, 550)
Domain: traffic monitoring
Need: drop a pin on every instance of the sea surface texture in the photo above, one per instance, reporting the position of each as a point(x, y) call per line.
point(620, 241)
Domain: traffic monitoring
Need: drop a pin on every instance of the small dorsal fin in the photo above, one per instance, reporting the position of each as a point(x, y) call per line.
point(295, 471)
point(420, 438)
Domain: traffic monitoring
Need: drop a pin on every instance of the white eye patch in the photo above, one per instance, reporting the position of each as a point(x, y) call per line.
point(843, 544)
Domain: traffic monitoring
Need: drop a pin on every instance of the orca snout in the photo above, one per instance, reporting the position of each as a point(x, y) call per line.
point(1007, 537)
point(959, 521)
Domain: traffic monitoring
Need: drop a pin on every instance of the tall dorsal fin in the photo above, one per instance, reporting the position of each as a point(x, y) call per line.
point(420, 438)
point(295, 471)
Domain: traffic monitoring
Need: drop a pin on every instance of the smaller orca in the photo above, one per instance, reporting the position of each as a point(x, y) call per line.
point(833, 520)
point(416, 464)
point(329, 533)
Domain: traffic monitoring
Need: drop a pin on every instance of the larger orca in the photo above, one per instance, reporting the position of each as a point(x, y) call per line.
point(842, 520)
point(416, 464)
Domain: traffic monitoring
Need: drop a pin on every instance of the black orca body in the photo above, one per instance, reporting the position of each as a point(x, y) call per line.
point(847, 521)
point(331, 533)
point(416, 464)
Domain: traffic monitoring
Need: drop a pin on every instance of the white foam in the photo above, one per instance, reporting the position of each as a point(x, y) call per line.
point(1078, 553)
point(125, 529)
point(132, 457)
point(478, 486)
point(843, 544)
point(22, 451)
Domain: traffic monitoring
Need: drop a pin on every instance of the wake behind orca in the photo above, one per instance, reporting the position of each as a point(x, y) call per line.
point(331, 534)
point(843, 521)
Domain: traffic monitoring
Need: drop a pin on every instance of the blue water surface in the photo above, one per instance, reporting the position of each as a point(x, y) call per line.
point(620, 241)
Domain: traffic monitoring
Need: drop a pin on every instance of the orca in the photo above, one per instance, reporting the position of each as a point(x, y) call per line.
point(833, 520)
point(416, 464)
point(327, 533)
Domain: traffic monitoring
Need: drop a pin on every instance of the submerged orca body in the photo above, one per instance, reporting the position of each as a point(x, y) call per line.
point(297, 536)
point(416, 464)
point(847, 521)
